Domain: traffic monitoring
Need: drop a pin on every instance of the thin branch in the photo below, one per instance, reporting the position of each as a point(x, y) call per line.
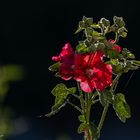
point(76, 96)
point(82, 101)
point(76, 107)
point(94, 96)
point(79, 89)
point(95, 101)
point(103, 117)
point(116, 38)
point(115, 82)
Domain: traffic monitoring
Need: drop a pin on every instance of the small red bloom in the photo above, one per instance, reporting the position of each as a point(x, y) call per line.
point(66, 58)
point(116, 47)
point(92, 72)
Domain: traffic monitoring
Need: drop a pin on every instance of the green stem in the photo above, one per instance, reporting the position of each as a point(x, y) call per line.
point(82, 102)
point(112, 89)
point(87, 107)
point(76, 96)
point(88, 131)
point(95, 94)
point(115, 82)
point(103, 117)
point(95, 101)
point(73, 105)
point(116, 38)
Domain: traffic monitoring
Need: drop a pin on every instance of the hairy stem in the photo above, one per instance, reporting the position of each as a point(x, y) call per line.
point(76, 96)
point(95, 101)
point(73, 105)
point(103, 117)
point(82, 102)
point(115, 81)
point(88, 131)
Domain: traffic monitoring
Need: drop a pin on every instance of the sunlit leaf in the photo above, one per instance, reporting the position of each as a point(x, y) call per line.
point(135, 62)
point(104, 23)
point(121, 107)
point(105, 97)
point(82, 127)
point(72, 90)
point(82, 118)
point(54, 67)
point(119, 21)
point(61, 93)
point(82, 48)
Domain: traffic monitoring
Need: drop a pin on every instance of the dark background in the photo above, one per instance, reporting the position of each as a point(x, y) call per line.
point(31, 32)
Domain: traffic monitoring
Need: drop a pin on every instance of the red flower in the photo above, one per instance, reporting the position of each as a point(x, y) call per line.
point(92, 72)
point(66, 58)
point(115, 47)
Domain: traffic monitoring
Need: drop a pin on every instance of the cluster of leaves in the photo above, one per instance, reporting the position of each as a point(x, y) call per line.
point(96, 34)
point(96, 39)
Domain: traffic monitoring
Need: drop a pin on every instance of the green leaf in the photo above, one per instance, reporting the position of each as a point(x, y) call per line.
point(96, 34)
point(104, 23)
point(59, 89)
point(112, 53)
point(89, 21)
point(61, 93)
point(94, 131)
point(135, 62)
point(79, 30)
point(118, 68)
point(82, 127)
point(130, 55)
point(72, 90)
point(114, 61)
point(82, 118)
point(82, 48)
point(127, 54)
point(100, 46)
point(119, 21)
point(121, 107)
point(122, 32)
point(88, 31)
point(124, 52)
point(105, 97)
point(85, 23)
point(96, 26)
point(81, 25)
point(54, 67)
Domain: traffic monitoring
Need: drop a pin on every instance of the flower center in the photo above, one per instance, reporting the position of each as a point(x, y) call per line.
point(89, 73)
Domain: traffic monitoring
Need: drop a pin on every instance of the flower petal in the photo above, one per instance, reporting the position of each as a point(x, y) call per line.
point(66, 59)
point(86, 86)
point(102, 76)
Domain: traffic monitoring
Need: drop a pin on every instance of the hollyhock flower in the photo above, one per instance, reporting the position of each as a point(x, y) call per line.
point(92, 72)
point(66, 59)
point(115, 47)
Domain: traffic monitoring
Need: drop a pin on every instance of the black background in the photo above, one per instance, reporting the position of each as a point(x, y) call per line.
point(31, 32)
